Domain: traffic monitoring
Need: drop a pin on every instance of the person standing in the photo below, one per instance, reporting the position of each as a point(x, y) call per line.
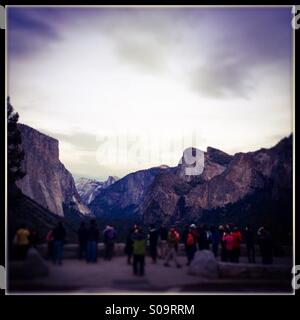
point(129, 244)
point(139, 251)
point(183, 239)
point(22, 242)
point(191, 243)
point(222, 242)
point(228, 241)
point(92, 242)
point(82, 240)
point(250, 243)
point(59, 234)
point(109, 236)
point(173, 239)
point(203, 238)
point(215, 240)
point(153, 239)
point(49, 239)
point(237, 239)
point(163, 242)
point(266, 245)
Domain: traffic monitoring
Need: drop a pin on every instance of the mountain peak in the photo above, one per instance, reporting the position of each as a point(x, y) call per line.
point(89, 188)
point(218, 156)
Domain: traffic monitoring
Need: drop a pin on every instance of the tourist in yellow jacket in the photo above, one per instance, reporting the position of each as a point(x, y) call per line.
point(22, 242)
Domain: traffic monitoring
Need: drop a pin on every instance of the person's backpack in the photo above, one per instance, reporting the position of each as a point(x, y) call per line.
point(49, 236)
point(110, 235)
point(172, 237)
point(190, 239)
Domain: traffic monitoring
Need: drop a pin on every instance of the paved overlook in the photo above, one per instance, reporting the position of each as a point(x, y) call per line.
point(76, 276)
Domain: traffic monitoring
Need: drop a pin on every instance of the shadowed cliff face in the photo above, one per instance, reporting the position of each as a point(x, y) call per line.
point(126, 194)
point(47, 181)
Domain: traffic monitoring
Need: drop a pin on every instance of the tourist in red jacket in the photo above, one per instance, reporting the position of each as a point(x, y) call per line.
point(228, 240)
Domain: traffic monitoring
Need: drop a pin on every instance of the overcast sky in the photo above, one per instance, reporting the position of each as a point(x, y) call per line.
point(127, 89)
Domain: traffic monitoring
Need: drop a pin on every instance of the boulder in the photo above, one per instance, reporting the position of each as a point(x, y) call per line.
point(204, 265)
point(33, 266)
point(36, 264)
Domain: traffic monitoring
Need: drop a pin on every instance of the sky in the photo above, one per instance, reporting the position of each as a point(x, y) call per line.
point(125, 89)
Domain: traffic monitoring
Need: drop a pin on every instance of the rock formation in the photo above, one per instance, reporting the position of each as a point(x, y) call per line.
point(47, 181)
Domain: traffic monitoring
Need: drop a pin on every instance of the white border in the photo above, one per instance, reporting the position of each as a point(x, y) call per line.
point(148, 7)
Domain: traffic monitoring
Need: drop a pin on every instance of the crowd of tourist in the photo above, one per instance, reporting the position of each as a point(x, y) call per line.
point(160, 242)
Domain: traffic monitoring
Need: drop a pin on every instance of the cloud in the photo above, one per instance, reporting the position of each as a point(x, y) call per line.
point(221, 79)
point(144, 39)
point(74, 71)
point(142, 54)
point(251, 39)
point(29, 30)
point(82, 141)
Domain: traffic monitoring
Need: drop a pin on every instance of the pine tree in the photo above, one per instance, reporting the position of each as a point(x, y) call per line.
point(15, 154)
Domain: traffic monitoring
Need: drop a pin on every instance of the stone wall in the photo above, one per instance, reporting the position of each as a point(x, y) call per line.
point(71, 250)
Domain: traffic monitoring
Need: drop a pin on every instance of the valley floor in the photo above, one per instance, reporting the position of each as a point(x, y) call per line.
point(116, 276)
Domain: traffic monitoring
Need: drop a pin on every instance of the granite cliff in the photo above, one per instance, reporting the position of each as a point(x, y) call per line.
point(47, 181)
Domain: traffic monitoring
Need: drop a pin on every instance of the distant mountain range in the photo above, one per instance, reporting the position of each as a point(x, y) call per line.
point(242, 187)
point(88, 189)
point(168, 195)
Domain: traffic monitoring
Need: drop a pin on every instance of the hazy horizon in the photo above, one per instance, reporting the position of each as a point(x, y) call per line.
point(125, 89)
